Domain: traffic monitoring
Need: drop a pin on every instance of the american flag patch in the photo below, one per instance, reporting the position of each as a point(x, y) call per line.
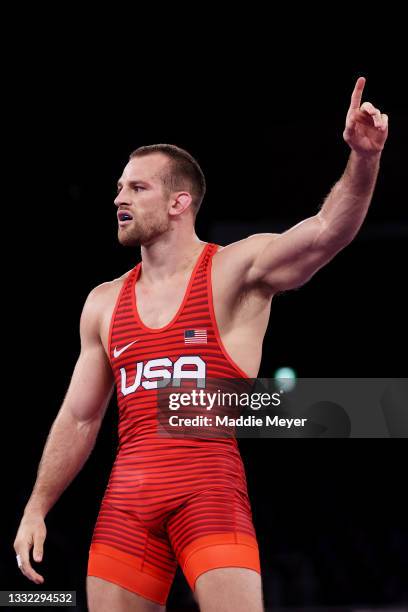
point(195, 336)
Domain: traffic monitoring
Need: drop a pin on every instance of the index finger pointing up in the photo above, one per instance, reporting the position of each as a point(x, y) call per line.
point(357, 93)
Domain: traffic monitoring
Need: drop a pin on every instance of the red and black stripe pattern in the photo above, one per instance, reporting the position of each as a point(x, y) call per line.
point(164, 493)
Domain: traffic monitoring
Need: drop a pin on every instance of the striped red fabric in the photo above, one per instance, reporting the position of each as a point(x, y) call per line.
point(176, 490)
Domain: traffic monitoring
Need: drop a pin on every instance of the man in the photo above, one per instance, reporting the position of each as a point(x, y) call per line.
point(189, 309)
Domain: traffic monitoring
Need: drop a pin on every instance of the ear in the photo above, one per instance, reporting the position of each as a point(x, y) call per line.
point(182, 201)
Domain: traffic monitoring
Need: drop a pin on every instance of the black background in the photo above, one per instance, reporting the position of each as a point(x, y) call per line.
point(265, 124)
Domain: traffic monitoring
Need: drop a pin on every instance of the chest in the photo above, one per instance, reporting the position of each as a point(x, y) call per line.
point(159, 306)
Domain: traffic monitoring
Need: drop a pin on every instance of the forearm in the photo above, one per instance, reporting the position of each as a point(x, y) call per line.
point(67, 448)
point(345, 208)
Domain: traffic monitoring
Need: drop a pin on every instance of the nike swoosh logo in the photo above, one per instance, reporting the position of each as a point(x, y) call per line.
point(116, 353)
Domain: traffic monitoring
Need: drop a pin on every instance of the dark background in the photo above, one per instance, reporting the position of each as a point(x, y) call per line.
point(267, 130)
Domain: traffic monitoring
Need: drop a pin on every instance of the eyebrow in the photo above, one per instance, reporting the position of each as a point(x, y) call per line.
point(134, 182)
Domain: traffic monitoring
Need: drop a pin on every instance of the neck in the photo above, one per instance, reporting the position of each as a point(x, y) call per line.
point(169, 255)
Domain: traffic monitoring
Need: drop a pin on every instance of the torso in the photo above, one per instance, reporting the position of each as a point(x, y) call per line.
point(242, 318)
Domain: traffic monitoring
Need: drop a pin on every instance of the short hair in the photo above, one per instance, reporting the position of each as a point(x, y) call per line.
point(182, 172)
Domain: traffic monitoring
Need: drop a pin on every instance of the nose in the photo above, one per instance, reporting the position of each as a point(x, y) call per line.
point(121, 199)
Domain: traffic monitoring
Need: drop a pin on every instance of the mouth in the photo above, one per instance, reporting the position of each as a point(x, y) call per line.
point(124, 218)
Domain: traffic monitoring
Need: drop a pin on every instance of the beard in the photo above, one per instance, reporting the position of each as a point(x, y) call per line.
point(141, 233)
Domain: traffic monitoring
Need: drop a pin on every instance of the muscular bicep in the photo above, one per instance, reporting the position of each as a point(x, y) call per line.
point(92, 383)
point(290, 259)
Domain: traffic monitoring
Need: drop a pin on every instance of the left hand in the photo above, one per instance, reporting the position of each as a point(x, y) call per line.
point(366, 127)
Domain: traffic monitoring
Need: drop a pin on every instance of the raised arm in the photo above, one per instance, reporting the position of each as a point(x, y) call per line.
point(285, 261)
point(72, 435)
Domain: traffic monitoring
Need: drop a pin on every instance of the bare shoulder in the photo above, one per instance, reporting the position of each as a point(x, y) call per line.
point(104, 295)
point(100, 304)
point(231, 272)
point(239, 256)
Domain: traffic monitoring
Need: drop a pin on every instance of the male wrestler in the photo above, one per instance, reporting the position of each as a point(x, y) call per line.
point(188, 309)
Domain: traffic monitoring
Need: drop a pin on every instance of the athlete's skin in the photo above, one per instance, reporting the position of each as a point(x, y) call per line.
point(246, 276)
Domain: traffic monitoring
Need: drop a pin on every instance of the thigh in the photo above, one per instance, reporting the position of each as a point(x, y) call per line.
point(213, 530)
point(106, 596)
point(125, 553)
point(229, 588)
